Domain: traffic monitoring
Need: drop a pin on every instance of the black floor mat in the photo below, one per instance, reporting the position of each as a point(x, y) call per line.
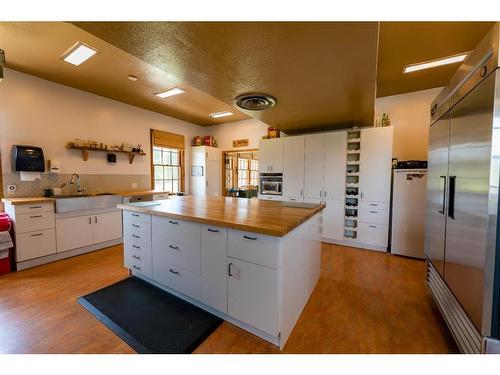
point(149, 319)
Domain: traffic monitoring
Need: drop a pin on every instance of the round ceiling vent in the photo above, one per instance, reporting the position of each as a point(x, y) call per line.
point(256, 101)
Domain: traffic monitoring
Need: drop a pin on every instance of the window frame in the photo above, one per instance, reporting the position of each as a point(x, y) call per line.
point(182, 174)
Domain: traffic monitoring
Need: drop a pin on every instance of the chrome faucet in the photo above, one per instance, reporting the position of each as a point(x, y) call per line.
point(76, 178)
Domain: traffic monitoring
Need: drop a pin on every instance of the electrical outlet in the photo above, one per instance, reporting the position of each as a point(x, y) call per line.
point(135, 185)
point(11, 189)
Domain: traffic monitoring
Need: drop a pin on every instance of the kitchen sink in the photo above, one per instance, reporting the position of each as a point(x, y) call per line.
point(71, 203)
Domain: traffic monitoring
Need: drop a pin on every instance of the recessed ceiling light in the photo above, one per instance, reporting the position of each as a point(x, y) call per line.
point(79, 53)
point(170, 92)
point(221, 114)
point(433, 63)
point(133, 78)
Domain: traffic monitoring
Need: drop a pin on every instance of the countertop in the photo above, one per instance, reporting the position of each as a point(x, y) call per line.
point(32, 200)
point(253, 215)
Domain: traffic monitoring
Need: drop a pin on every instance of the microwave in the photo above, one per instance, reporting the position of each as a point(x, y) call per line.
point(271, 183)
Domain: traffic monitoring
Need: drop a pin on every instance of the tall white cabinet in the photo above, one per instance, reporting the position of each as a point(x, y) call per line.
point(205, 171)
point(293, 167)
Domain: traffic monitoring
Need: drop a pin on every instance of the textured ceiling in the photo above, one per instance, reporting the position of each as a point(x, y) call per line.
point(404, 43)
point(323, 74)
point(35, 48)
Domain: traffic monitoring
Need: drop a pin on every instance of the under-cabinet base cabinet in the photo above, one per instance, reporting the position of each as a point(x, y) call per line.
point(257, 282)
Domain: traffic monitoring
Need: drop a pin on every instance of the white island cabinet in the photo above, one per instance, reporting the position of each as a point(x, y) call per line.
point(258, 282)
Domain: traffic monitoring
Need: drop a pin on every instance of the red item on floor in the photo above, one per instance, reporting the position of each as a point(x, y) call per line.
point(5, 254)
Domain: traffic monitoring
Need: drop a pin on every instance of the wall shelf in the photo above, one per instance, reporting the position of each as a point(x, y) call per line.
point(85, 152)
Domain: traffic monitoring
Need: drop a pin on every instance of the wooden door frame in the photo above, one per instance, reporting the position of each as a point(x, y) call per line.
point(223, 166)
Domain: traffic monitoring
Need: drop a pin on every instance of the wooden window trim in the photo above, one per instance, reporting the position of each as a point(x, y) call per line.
point(175, 144)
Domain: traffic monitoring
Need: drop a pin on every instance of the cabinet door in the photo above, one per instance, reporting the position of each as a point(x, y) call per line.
point(375, 164)
point(293, 167)
point(271, 155)
point(107, 226)
point(213, 178)
point(214, 267)
point(333, 219)
point(335, 164)
point(74, 232)
point(314, 160)
point(253, 295)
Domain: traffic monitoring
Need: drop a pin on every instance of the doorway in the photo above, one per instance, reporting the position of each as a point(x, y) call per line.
point(240, 173)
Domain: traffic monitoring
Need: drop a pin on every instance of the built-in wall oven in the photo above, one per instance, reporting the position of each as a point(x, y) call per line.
point(271, 183)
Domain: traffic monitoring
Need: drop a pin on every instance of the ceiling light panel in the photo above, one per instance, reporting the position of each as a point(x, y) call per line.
point(79, 53)
point(434, 63)
point(170, 92)
point(221, 114)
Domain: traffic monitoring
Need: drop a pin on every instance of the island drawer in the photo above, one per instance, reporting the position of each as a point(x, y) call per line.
point(137, 236)
point(253, 247)
point(35, 221)
point(139, 248)
point(136, 216)
point(373, 215)
point(141, 229)
point(180, 231)
point(177, 278)
point(178, 254)
point(138, 263)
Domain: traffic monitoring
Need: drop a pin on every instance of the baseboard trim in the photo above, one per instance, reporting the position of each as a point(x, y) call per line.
point(66, 254)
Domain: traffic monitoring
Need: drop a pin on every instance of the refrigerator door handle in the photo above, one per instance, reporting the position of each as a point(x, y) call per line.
point(441, 211)
point(451, 197)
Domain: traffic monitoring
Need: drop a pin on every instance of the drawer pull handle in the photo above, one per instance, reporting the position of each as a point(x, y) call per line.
point(173, 222)
point(174, 247)
point(373, 212)
point(136, 247)
point(250, 238)
point(372, 226)
point(35, 207)
point(136, 226)
point(374, 204)
point(213, 230)
point(37, 235)
point(136, 215)
point(35, 216)
point(173, 271)
point(229, 269)
point(136, 267)
point(136, 257)
point(136, 236)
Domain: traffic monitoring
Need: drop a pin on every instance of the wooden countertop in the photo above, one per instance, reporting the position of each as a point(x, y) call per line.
point(32, 200)
point(29, 200)
point(253, 215)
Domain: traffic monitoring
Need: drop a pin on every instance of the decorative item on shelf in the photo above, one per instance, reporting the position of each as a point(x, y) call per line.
point(86, 146)
point(209, 140)
point(383, 121)
point(198, 140)
point(241, 143)
point(127, 147)
point(273, 132)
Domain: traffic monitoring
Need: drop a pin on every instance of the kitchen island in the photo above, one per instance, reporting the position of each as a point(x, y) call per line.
point(253, 263)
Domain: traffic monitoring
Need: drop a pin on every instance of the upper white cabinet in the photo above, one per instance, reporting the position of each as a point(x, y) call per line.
point(271, 155)
point(206, 180)
point(375, 164)
point(314, 163)
point(293, 167)
point(334, 165)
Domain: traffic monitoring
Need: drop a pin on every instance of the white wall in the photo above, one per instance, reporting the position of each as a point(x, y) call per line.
point(38, 112)
point(226, 133)
point(410, 115)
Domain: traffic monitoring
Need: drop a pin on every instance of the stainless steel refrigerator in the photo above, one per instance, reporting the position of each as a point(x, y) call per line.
point(408, 212)
point(462, 200)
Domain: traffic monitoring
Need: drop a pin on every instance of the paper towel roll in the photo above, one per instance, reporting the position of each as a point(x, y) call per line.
point(30, 176)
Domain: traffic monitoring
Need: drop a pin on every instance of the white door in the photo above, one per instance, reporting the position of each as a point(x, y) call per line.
point(314, 160)
point(335, 164)
point(333, 219)
point(214, 267)
point(271, 155)
point(293, 167)
point(212, 178)
point(375, 164)
point(107, 226)
point(253, 295)
point(74, 232)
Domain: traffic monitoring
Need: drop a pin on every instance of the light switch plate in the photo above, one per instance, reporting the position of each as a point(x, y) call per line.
point(11, 189)
point(135, 185)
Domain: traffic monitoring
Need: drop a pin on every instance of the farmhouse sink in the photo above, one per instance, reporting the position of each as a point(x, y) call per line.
point(72, 203)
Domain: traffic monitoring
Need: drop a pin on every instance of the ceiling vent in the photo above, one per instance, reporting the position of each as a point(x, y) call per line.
point(255, 101)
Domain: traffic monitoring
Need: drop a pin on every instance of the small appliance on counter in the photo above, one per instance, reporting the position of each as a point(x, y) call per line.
point(408, 208)
point(271, 183)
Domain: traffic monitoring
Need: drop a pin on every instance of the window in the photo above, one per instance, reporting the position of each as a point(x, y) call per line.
point(167, 170)
point(243, 172)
